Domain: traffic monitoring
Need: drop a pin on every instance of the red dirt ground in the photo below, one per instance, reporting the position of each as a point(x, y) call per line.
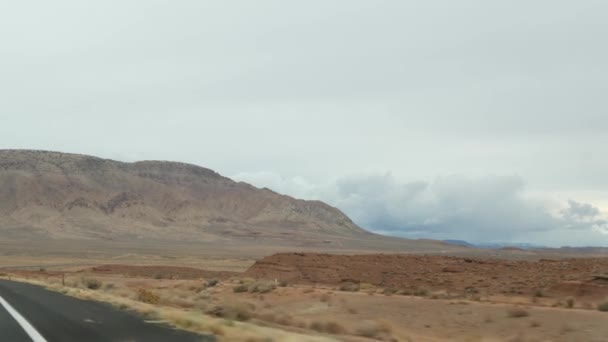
point(568, 277)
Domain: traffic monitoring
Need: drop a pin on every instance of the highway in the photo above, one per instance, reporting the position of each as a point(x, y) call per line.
point(31, 313)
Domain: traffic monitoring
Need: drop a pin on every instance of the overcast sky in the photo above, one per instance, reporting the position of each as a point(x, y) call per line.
point(471, 119)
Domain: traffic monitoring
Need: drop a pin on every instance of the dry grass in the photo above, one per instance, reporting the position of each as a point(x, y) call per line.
point(240, 288)
point(147, 297)
point(254, 287)
point(231, 327)
point(232, 311)
point(375, 329)
point(331, 327)
point(91, 283)
point(350, 287)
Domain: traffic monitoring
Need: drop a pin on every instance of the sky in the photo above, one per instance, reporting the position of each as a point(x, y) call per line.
point(476, 120)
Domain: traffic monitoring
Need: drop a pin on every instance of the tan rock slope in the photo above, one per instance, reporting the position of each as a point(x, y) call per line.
point(59, 194)
point(50, 196)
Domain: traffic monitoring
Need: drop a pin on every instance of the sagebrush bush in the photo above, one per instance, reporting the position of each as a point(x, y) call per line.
point(570, 303)
point(350, 287)
point(517, 313)
point(234, 311)
point(148, 297)
point(603, 307)
point(240, 288)
point(262, 287)
point(327, 327)
point(91, 283)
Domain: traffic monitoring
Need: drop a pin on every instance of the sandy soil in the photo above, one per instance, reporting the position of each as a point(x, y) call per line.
point(354, 299)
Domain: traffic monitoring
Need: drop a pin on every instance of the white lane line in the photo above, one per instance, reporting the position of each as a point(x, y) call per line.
point(29, 329)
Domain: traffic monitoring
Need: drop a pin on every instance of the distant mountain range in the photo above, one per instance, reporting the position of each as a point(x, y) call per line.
point(494, 245)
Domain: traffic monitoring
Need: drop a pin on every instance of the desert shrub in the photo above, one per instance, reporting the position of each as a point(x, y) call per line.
point(247, 281)
point(148, 297)
point(159, 276)
point(421, 292)
point(325, 297)
point(517, 313)
point(262, 287)
point(603, 307)
point(308, 290)
point(284, 320)
point(334, 328)
point(389, 292)
point(240, 288)
point(185, 323)
point(327, 327)
point(216, 330)
point(283, 283)
point(539, 293)
point(234, 311)
point(374, 329)
point(212, 282)
point(91, 283)
point(570, 303)
point(109, 286)
point(366, 286)
point(350, 287)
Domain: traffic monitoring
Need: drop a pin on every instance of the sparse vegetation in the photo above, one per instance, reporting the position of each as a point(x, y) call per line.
point(570, 303)
point(517, 313)
point(420, 292)
point(240, 288)
point(262, 287)
point(91, 283)
point(374, 330)
point(146, 296)
point(328, 327)
point(233, 311)
point(603, 307)
point(325, 298)
point(350, 287)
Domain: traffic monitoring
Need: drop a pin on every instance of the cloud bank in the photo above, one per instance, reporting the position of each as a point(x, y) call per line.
point(486, 209)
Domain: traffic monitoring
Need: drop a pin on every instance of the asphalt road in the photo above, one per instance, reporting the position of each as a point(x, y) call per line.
point(31, 313)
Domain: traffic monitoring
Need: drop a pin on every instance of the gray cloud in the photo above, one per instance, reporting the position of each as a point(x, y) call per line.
point(492, 208)
point(324, 89)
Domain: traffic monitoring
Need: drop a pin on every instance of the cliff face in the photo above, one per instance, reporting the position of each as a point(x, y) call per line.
point(58, 195)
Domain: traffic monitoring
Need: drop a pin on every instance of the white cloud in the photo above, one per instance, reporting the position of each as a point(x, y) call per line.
point(487, 209)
